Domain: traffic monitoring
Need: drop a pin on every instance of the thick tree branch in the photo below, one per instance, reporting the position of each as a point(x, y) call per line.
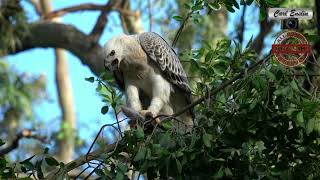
point(265, 28)
point(50, 34)
point(26, 133)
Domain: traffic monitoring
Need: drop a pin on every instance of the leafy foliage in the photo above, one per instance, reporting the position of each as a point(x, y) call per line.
point(263, 126)
point(18, 92)
point(13, 25)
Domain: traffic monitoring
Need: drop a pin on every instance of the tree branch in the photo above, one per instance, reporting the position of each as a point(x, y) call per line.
point(81, 7)
point(26, 133)
point(50, 34)
point(36, 6)
point(222, 86)
point(101, 22)
point(265, 28)
point(241, 27)
point(85, 7)
point(82, 160)
point(130, 20)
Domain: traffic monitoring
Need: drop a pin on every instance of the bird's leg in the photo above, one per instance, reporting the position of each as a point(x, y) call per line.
point(133, 101)
point(160, 96)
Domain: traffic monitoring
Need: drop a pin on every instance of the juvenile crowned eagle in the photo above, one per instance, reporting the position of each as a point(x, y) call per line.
point(150, 73)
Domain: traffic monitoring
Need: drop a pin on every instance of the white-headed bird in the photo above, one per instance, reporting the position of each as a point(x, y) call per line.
point(148, 70)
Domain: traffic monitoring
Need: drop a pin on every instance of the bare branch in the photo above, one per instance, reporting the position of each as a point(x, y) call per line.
point(81, 7)
point(50, 34)
point(265, 28)
point(36, 6)
point(101, 22)
point(241, 27)
point(184, 22)
point(85, 7)
point(26, 133)
point(130, 20)
point(82, 160)
point(150, 15)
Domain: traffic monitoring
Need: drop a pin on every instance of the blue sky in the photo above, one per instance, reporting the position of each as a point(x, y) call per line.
point(87, 102)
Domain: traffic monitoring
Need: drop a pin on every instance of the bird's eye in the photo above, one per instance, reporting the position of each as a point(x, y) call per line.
point(112, 53)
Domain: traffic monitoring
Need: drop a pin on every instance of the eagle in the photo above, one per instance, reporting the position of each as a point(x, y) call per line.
point(149, 72)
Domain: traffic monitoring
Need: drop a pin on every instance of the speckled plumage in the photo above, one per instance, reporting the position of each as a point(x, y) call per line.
point(150, 73)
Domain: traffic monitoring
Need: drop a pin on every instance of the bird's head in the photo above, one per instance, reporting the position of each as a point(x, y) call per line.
point(114, 51)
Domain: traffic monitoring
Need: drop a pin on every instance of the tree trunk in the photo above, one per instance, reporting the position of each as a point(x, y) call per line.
point(68, 121)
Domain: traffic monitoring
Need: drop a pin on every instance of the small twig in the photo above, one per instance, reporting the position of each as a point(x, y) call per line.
point(242, 25)
point(184, 22)
point(81, 7)
point(222, 86)
point(150, 15)
point(26, 133)
point(82, 160)
point(84, 7)
point(36, 6)
point(265, 27)
point(101, 22)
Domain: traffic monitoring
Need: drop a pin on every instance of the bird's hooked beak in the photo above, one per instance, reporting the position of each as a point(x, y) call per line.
point(113, 66)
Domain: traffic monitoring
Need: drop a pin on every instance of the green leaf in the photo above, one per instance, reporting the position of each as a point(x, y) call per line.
point(197, 7)
point(187, 5)
point(235, 3)
point(1, 142)
point(209, 56)
point(249, 2)
point(273, 2)
point(27, 160)
point(104, 109)
point(177, 18)
point(119, 176)
point(165, 140)
point(28, 165)
point(310, 125)
point(207, 139)
point(179, 166)
point(270, 75)
point(167, 125)
point(300, 120)
point(99, 87)
point(90, 79)
point(46, 150)
point(230, 9)
point(219, 174)
point(123, 168)
point(99, 172)
point(262, 15)
point(139, 133)
point(214, 6)
point(51, 161)
point(294, 86)
point(260, 146)
point(228, 172)
point(249, 42)
point(141, 154)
